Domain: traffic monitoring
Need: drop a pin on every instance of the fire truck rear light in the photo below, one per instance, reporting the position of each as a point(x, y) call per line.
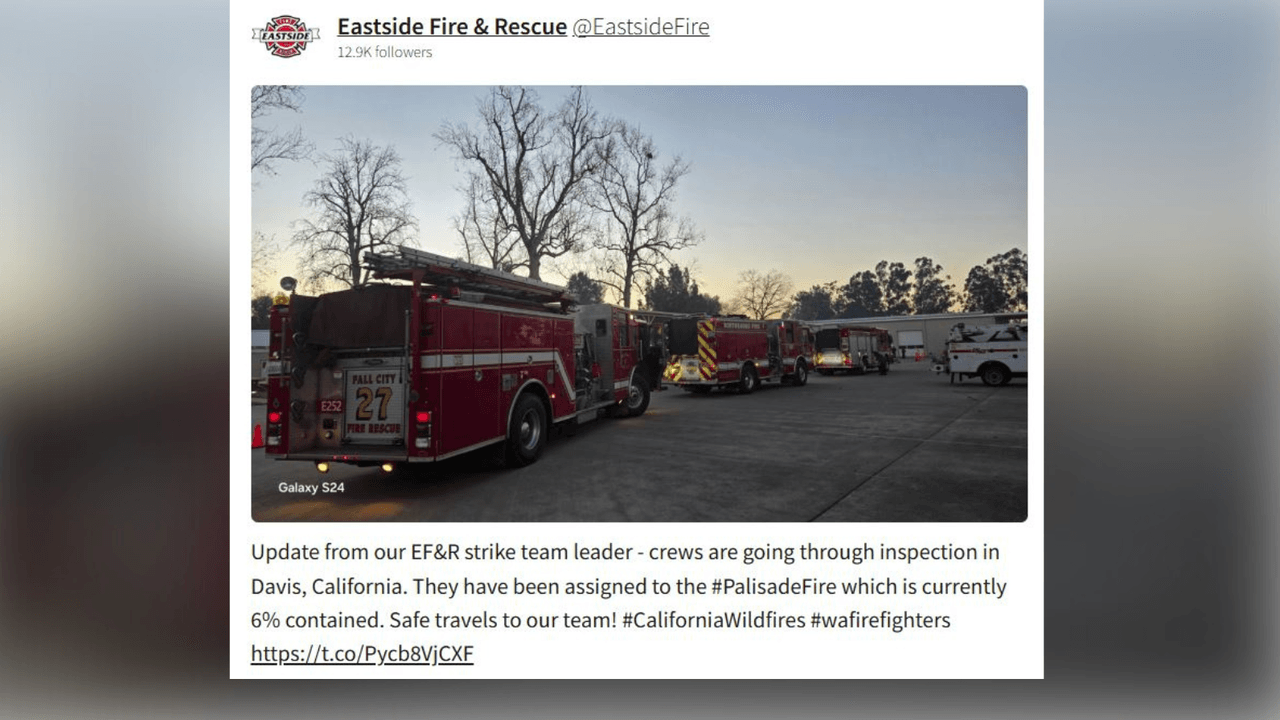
point(422, 443)
point(423, 417)
point(273, 440)
point(273, 416)
point(322, 467)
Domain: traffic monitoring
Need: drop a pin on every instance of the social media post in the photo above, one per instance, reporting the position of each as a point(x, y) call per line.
point(603, 360)
point(638, 601)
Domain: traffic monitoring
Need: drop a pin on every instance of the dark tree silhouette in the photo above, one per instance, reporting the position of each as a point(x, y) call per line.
point(933, 294)
point(529, 173)
point(816, 303)
point(268, 146)
point(861, 296)
point(361, 204)
point(584, 289)
point(676, 291)
point(633, 192)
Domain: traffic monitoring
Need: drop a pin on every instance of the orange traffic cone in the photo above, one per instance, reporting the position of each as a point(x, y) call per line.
point(257, 437)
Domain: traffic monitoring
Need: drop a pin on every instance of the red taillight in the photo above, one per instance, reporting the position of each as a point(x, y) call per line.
point(273, 416)
point(423, 430)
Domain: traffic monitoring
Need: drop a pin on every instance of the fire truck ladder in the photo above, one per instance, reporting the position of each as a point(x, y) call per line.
point(406, 263)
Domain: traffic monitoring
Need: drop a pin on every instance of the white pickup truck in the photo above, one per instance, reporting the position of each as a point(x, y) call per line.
point(995, 353)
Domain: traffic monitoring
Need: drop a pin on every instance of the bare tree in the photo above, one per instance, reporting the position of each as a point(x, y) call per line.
point(268, 146)
point(532, 167)
point(483, 230)
point(264, 251)
point(634, 193)
point(361, 204)
point(762, 295)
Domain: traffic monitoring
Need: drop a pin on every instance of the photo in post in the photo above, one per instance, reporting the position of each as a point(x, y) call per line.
point(447, 334)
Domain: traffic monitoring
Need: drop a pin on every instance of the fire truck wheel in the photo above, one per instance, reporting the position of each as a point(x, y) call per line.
point(528, 432)
point(802, 373)
point(995, 374)
point(749, 381)
point(637, 397)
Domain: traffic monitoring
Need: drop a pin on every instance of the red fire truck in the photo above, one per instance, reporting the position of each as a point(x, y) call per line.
point(460, 358)
point(732, 351)
point(851, 349)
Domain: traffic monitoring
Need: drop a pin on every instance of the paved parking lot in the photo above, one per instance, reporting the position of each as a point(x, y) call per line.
point(907, 446)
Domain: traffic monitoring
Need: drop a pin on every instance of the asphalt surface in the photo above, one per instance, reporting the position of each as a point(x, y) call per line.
point(907, 446)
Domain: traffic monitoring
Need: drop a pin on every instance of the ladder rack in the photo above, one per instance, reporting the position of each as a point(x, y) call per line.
point(406, 263)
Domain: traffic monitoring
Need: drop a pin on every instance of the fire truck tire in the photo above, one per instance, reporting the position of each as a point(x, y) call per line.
point(995, 374)
point(749, 380)
point(637, 397)
point(802, 373)
point(528, 432)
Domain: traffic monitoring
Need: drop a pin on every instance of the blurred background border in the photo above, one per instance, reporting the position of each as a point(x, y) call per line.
point(1160, 391)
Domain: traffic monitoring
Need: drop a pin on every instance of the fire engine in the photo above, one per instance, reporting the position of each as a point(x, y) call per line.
point(732, 351)
point(994, 353)
point(851, 349)
point(461, 358)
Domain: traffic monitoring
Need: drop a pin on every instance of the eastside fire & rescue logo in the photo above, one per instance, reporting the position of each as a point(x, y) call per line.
point(285, 36)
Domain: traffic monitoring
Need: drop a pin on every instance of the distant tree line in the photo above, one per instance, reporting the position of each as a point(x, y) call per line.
point(998, 285)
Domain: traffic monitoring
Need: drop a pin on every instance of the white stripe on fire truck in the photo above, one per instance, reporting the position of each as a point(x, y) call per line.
point(450, 361)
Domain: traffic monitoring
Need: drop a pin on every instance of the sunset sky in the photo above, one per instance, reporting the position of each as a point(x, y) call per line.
point(817, 182)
